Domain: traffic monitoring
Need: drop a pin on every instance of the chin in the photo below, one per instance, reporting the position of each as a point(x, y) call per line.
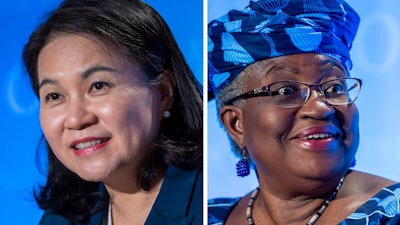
point(92, 175)
point(327, 169)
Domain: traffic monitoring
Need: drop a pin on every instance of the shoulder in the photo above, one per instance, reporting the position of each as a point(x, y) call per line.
point(183, 184)
point(196, 201)
point(49, 218)
point(382, 208)
point(358, 187)
point(175, 173)
point(185, 189)
point(359, 183)
point(178, 180)
point(220, 208)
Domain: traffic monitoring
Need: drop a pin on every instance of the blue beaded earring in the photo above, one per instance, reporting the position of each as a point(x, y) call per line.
point(243, 166)
point(353, 163)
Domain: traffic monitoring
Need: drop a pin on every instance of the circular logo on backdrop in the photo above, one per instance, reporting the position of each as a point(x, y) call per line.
point(20, 98)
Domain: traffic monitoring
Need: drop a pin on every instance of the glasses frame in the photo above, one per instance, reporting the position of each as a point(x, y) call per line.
point(265, 91)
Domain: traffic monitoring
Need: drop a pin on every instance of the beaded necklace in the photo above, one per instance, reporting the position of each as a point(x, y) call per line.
point(314, 218)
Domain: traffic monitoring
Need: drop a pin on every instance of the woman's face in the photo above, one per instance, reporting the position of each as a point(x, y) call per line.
point(96, 111)
point(314, 141)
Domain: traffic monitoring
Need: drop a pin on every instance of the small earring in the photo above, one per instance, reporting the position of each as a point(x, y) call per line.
point(166, 114)
point(353, 163)
point(243, 166)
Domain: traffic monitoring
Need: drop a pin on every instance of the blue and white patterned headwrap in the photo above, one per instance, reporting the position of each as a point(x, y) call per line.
point(271, 28)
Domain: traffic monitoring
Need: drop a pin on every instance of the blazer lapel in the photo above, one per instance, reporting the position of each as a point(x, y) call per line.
point(173, 201)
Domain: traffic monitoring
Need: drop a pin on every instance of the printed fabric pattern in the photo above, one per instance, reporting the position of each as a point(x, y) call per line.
point(383, 208)
point(272, 28)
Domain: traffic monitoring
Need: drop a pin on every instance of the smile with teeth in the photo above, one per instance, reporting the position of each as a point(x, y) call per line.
point(88, 144)
point(316, 136)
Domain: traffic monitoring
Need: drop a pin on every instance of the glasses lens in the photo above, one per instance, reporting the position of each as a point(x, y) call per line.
point(289, 94)
point(341, 91)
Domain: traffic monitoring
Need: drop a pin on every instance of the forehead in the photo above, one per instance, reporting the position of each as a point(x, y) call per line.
point(80, 43)
point(74, 52)
point(295, 63)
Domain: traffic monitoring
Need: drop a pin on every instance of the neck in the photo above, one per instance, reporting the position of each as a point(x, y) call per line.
point(278, 211)
point(133, 206)
point(286, 186)
point(274, 210)
point(130, 204)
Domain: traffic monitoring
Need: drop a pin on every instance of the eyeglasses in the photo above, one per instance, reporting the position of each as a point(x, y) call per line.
point(292, 94)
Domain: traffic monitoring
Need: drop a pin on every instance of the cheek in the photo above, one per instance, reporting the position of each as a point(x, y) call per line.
point(351, 128)
point(117, 107)
point(266, 129)
point(133, 118)
point(51, 123)
point(348, 119)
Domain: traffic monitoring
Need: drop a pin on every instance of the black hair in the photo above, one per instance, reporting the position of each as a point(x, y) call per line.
point(138, 32)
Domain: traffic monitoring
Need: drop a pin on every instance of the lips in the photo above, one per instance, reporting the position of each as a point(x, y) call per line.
point(319, 132)
point(319, 138)
point(88, 143)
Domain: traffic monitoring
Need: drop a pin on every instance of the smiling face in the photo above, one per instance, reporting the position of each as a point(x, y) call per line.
point(314, 141)
point(97, 112)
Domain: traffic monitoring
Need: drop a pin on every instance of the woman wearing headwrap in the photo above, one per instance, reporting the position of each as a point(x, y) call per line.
point(279, 71)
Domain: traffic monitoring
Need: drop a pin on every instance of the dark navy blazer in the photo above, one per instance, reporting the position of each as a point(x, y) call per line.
point(180, 202)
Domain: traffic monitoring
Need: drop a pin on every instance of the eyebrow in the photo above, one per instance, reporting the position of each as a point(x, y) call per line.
point(86, 74)
point(282, 66)
point(324, 66)
point(329, 64)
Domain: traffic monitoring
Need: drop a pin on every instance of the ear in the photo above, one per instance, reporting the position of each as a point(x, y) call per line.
point(232, 119)
point(166, 87)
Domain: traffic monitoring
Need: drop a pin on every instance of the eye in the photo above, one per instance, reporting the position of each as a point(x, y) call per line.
point(53, 96)
point(335, 88)
point(287, 91)
point(99, 86)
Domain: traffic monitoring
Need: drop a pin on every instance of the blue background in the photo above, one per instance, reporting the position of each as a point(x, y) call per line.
point(376, 59)
point(20, 130)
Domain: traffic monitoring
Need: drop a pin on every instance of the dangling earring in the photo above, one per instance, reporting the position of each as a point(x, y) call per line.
point(166, 114)
point(353, 163)
point(243, 166)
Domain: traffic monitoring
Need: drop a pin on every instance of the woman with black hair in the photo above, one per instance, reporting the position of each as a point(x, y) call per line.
point(121, 114)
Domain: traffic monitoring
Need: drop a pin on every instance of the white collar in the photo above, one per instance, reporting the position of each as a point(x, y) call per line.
point(109, 216)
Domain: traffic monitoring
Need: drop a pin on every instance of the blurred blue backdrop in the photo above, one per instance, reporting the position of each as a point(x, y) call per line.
point(375, 54)
point(19, 108)
point(376, 59)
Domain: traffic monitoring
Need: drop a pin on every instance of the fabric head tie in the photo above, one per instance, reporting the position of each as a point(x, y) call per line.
point(271, 28)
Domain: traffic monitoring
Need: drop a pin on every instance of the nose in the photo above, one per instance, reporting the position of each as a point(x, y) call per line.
point(78, 116)
point(316, 106)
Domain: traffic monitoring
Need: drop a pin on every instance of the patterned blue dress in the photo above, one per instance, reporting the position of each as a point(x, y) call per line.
point(383, 208)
